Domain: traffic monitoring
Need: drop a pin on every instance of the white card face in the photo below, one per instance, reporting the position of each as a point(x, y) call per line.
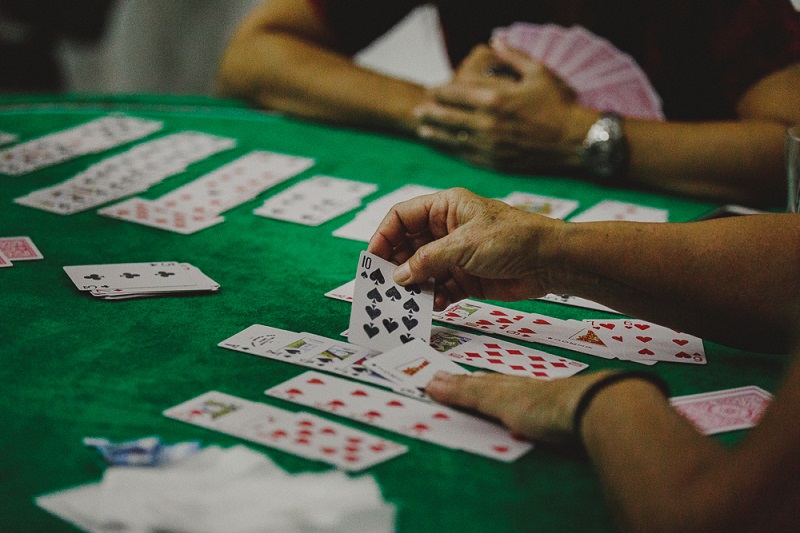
point(610, 210)
point(7, 138)
point(426, 421)
point(385, 315)
point(130, 275)
point(301, 434)
point(446, 340)
point(343, 292)
point(541, 205)
point(632, 339)
point(260, 340)
point(413, 365)
point(576, 301)
point(95, 136)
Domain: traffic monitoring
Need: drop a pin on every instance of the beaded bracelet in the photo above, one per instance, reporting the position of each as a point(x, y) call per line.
point(590, 393)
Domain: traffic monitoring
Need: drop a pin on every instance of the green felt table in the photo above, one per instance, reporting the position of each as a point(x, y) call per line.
point(73, 366)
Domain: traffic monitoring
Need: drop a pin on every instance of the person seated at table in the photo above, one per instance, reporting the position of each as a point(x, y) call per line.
point(733, 280)
point(728, 77)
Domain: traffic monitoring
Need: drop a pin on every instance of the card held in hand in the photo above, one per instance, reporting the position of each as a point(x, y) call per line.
point(386, 315)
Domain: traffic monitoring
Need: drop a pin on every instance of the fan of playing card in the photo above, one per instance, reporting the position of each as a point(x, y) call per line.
point(602, 76)
point(140, 280)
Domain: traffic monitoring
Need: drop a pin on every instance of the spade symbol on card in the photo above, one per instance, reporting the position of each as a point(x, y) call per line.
point(375, 296)
point(393, 294)
point(411, 305)
point(413, 289)
point(390, 324)
point(405, 337)
point(377, 277)
point(371, 330)
point(410, 323)
point(373, 312)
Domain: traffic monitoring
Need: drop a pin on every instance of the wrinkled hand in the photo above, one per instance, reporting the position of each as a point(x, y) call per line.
point(537, 410)
point(517, 122)
point(471, 245)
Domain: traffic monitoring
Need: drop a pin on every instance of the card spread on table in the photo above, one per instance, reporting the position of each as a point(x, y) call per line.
point(541, 205)
point(421, 420)
point(612, 210)
point(316, 200)
point(18, 249)
point(129, 172)
point(137, 280)
point(343, 292)
point(198, 204)
point(724, 410)
point(576, 301)
point(7, 138)
point(363, 226)
point(302, 434)
point(93, 137)
point(603, 77)
point(386, 315)
point(634, 340)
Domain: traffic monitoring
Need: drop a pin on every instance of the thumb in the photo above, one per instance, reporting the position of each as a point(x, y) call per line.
point(433, 260)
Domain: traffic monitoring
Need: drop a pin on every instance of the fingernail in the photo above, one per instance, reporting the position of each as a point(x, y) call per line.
point(402, 273)
point(425, 131)
point(442, 375)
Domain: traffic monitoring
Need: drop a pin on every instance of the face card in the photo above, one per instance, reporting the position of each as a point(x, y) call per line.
point(19, 249)
point(219, 411)
point(259, 340)
point(725, 410)
point(446, 340)
point(385, 315)
point(426, 421)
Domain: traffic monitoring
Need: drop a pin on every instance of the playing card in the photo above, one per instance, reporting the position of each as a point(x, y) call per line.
point(95, 136)
point(363, 226)
point(19, 249)
point(509, 358)
point(725, 410)
point(201, 284)
point(412, 366)
point(260, 340)
point(221, 412)
point(130, 276)
point(422, 420)
point(446, 340)
point(4, 261)
point(385, 315)
point(316, 200)
point(576, 302)
point(152, 214)
point(343, 292)
point(541, 205)
point(632, 339)
point(613, 210)
point(7, 138)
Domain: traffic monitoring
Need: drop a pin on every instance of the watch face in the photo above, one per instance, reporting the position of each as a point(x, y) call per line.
point(605, 149)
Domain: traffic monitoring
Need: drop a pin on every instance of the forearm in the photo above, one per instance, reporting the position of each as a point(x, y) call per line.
point(285, 73)
point(734, 281)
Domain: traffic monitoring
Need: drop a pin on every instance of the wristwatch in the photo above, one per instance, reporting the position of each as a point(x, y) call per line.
point(605, 149)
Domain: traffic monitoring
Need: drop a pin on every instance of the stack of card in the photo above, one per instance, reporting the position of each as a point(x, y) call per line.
point(130, 172)
point(17, 249)
point(603, 77)
point(640, 341)
point(198, 204)
point(367, 221)
point(316, 200)
point(541, 205)
point(725, 410)
point(612, 210)
point(93, 137)
point(235, 490)
point(139, 280)
point(301, 434)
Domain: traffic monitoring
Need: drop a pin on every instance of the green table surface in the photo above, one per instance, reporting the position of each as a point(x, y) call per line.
point(73, 366)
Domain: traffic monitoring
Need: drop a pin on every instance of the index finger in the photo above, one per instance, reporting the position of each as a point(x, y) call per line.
point(406, 218)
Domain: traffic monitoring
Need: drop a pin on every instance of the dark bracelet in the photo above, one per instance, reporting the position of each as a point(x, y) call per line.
point(590, 393)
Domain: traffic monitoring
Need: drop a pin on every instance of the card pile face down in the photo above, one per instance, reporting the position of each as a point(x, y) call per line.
point(198, 204)
point(417, 419)
point(724, 410)
point(139, 280)
point(17, 249)
point(316, 200)
point(386, 315)
point(93, 137)
point(130, 172)
point(363, 226)
point(302, 434)
point(603, 77)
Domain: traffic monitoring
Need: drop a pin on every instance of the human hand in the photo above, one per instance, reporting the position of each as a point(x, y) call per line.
point(471, 245)
point(526, 121)
point(538, 410)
